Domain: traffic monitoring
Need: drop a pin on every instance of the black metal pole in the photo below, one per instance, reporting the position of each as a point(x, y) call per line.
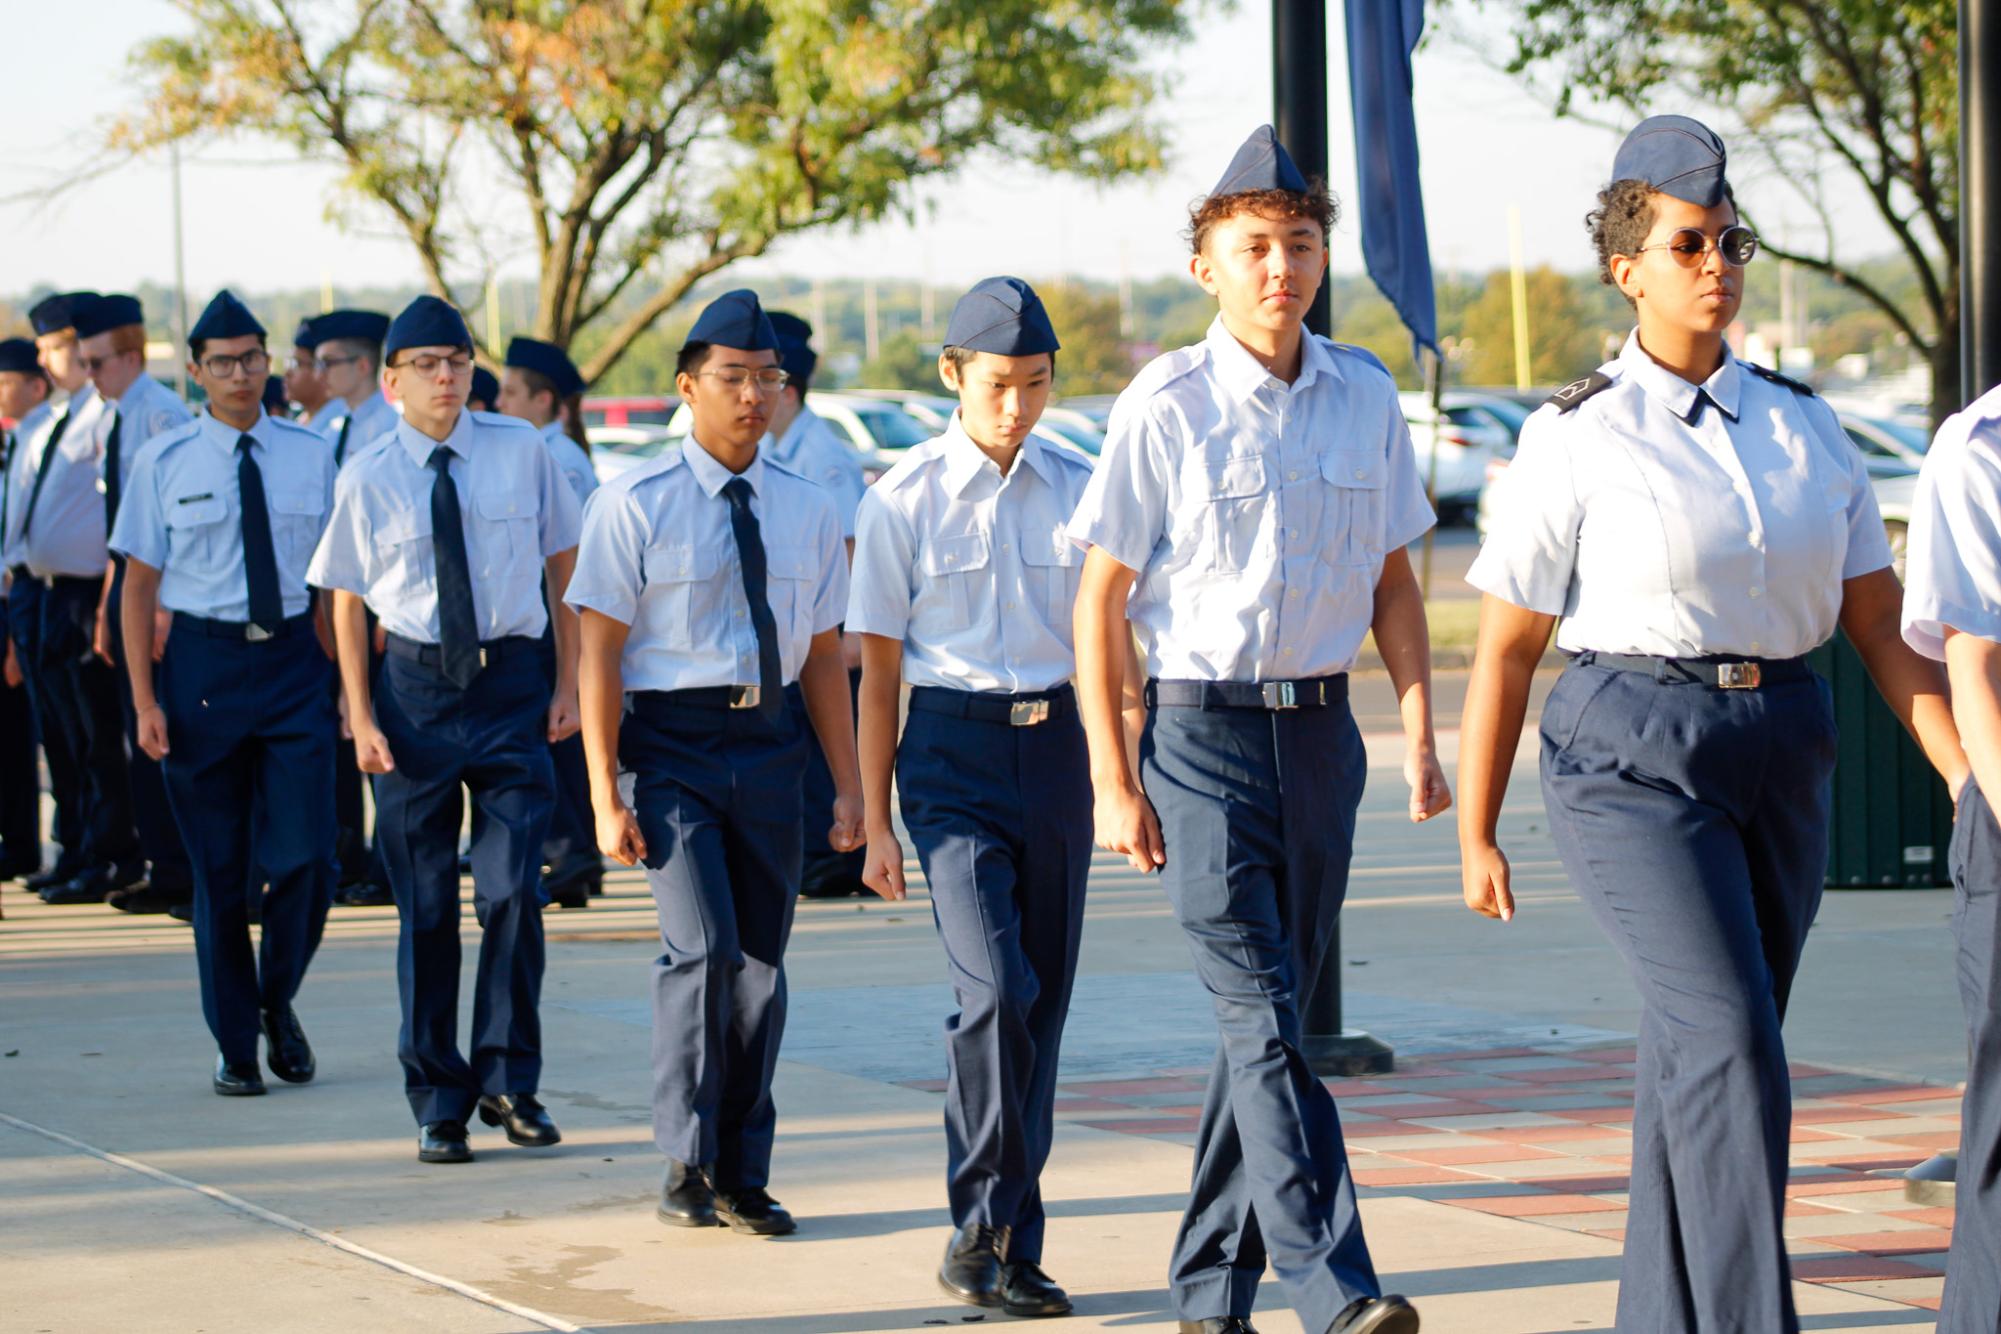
point(1299, 114)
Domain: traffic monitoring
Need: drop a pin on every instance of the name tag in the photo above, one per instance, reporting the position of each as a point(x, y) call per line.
point(189, 500)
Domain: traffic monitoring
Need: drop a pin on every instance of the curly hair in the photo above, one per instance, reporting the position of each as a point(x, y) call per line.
point(1316, 202)
point(1619, 225)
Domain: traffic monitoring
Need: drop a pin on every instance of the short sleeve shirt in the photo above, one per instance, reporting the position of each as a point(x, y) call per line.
point(1952, 565)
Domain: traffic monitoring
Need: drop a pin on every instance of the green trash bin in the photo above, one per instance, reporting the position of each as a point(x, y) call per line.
point(1892, 816)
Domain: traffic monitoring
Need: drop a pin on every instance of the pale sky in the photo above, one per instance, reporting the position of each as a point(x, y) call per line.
point(1486, 145)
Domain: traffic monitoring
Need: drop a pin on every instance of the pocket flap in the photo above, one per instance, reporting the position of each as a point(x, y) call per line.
point(1358, 469)
point(1225, 479)
point(1054, 548)
point(954, 555)
point(194, 511)
point(500, 505)
point(679, 563)
point(793, 562)
point(404, 526)
point(299, 502)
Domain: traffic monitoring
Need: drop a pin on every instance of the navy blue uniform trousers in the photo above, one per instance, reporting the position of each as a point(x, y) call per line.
point(1001, 819)
point(572, 826)
point(20, 783)
point(1692, 822)
point(1972, 1303)
point(159, 837)
point(24, 626)
point(1257, 811)
point(83, 692)
point(716, 792)
point(821, 863)
point(247, 776)
point(491, 740)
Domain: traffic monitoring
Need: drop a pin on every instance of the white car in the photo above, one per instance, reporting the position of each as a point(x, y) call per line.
point(878, 429)
point(1890, 447)
point(1893, 497)
point(1464, 440)
point(615, 449)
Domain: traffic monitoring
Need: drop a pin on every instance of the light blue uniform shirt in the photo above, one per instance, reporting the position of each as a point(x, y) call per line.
point(811, 448)
point(1649, 534)
point(20, 480)
point(972, 570)
point(658, 555)
point(182, 512)
point(374, 419)
point(1257, 514)
point(572, 460)
point(1952, 565)
point(516, 509)
point(67, 538)
point(145, 410)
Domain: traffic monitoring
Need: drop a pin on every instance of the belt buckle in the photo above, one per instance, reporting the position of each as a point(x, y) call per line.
point(255, 633)
point(1281, 695)
point(744, 697)
point(1028, 712)
point(1738, 675)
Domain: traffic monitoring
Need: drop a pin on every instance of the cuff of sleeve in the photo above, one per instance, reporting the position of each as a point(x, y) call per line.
point(617, 610)
point(1092, 535)
point(870, 622)
point(1507, 588)
point(1925, 625)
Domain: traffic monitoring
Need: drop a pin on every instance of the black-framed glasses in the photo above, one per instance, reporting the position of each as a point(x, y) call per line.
point(255, 362)
point(460, 363)
point(768, 380)
point(325, 364)
point(1737, 244)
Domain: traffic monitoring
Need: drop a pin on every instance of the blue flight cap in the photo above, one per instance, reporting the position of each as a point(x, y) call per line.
point(548, 361)
point(795, 339)
point(484, 387)
point(1261, 164)
point(276, 401)
point(426, 322)
point(101, 314)
point(308, 335)
point(735, 319)
point(1675, 155)
point(1003, 316)
point(224, 317)
point(363, 326)
point(53, 314)
point(18, 354)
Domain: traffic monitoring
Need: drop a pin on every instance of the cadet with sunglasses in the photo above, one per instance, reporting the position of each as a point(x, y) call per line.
point(708, 579)
point(445, 528)
point(1698, 524)
point(219, 519)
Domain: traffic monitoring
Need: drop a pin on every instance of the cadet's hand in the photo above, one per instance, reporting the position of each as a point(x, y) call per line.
point(381, 639)
point(100, 636)
point(846, 833)
point(163, 622)
point(371, 748)
point(882, 867)
point(13, 669)
point(153, 732)
point(1429, 793)
point(565, 721)
point(1127, 824)
point(618, 835)
point(1483, 878)
point(340, 708)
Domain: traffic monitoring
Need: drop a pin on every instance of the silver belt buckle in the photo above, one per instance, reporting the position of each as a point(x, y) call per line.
point(1738, 675)
point(1281, 695)
point(744, 697)
point(255, 633)
point(1028, 712)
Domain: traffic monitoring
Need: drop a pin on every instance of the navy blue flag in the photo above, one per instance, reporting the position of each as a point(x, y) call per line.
point(1381, 36)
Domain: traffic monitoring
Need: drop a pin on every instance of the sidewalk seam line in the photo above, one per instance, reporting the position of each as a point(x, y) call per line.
point(263, 1215)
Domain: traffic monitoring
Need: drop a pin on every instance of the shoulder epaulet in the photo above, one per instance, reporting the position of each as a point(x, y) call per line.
point(1767, 373)
point(1577, 391)
point(1357, 353)
point(787, 469)
point(285, 424)
point(176, 433)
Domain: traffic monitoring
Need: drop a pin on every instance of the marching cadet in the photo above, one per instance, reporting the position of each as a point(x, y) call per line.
point(543, 388)
point(219, 518)
point(800, 439)
point(24, 400)
point(63, 547)
point(275, 401)
point(1698, 524)
point(444, 529)
point(694, 621)
point(485, 393)
point(112, 350)
point(1255, 496)
point(964, 584)
point(349, 360)
point(303, 383)
point(1952, 612)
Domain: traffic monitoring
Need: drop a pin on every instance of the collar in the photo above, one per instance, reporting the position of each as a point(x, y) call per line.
point(80, 400)
point(553, 431)
point(1243, 374)
point(713, 476)
point(135, 393)
point(372, 400)
point(221, 435)
point(785, 446)
point(1677, 395)
point(965, 460)
point(420, 446)
point(33, 419)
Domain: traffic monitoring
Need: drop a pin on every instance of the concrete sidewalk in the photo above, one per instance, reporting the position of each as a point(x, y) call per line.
point(1491, 1164)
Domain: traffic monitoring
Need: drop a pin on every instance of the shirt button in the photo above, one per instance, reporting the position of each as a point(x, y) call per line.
point(1755, 590)
point(1361, 473)
point(1292, 477)
point(1292, 533)
point(1286, 652)
point(1008, 605)
point(1005, 547)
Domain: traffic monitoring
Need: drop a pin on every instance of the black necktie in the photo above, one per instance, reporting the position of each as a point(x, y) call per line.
point(42, 472)
point(260, 558)
point(750, 558)
point(340, 445)
point(458, 627)
point(112, 481)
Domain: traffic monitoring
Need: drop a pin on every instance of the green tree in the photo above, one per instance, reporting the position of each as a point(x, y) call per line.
point(1096, 359)
point(1859, 86)
point(651, 143)
point(1563, 342)
point(904, 361)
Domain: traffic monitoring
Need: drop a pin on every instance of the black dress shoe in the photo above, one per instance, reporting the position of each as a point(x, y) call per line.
point(365, 894)
point(571, 882)
point(286, 1050)
point(92, 885)
point(526, 1120)
point(59, 874)
point(443, 1142)
point(754, 1212)
point(182, 912)
point(17, 868)
point(237, 1079)
point(972, 1269)
point(1388, 1314)
point(1026, 1290)
point(146, 900)
point(1222, 1324)
point(686, 1199)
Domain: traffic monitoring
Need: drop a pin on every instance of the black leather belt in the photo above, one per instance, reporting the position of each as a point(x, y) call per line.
point(490, 651)
point(245, 630)
point(53, 581)
point(1315, 693)
point(721, 698)
point(1718, 673)
point(1025, 710)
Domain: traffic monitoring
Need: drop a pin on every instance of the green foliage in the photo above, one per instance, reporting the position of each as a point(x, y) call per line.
point(904, 361)
point(1562, 344)
point(1096, 359)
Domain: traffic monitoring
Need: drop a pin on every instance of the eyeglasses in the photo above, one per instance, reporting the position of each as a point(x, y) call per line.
point(459, 362)
point(769, 380)
point(1737, 245)
point(227, 368)
point(325, 364)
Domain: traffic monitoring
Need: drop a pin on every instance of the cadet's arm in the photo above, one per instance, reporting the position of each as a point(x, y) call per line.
point(1125, 820)
point(882, 686)
point(563, 706)
point(1973, 665)
point(350, 627)
point(1872, 609)
point(823, 680)
point(135, 616)
point(601, 700)
point(1404, 640)
point(1490, 728)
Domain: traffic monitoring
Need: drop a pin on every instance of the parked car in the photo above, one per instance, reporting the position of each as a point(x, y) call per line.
point(1466, 439)
point(878, 430)
point(1893, 497)
point(1890, 447)
point(630, 410)
point(615, 449)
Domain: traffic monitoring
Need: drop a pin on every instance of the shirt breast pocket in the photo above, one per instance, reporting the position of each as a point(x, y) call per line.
point(1228, 498)
point(194, 530)
point(1057, 564)
point(1356, 480)
point(949, 565)
point(674, 572)
point(405, 551)
point(297, 518)
point(793, 573)
point(507, 528)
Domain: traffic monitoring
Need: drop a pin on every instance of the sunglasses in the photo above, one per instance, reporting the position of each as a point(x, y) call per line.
point(1738, 245)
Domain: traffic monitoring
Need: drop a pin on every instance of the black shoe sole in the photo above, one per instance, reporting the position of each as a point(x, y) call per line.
point(450, 1156)
point(495, 1119)
point(991, 1301)
point(1028, 1312)
point(1390, 1320)
point(738, 1224)
point(682, 1220)
point(239, 1091)
point(292, 1076)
